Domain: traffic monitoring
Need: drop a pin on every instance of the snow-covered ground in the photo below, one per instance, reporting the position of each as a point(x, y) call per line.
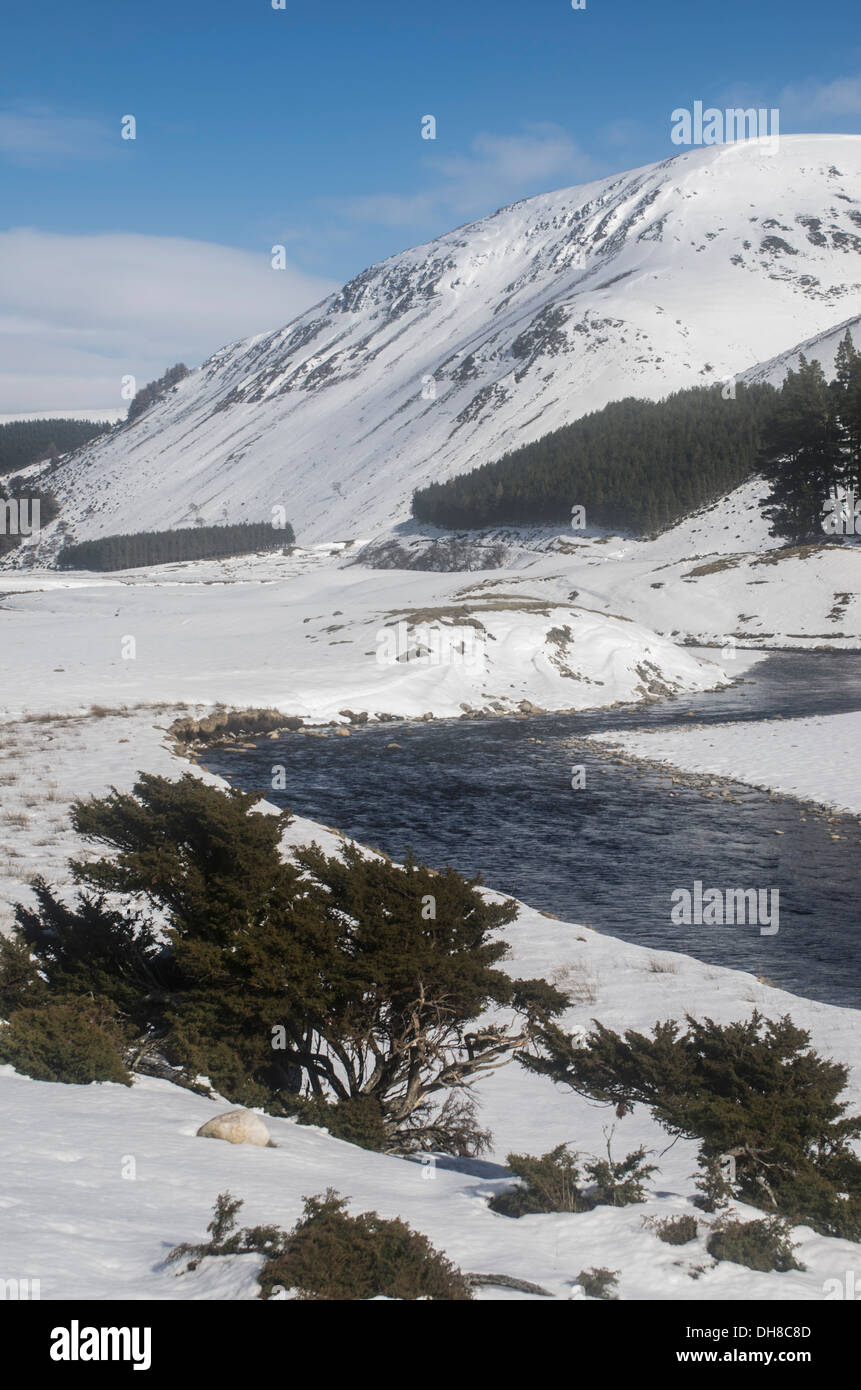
point(311, 638)
point(812, 759)
point(100, 1181)
point(717, 577)
point(569, 621)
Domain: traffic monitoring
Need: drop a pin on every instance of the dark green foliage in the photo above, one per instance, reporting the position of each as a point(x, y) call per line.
point(225, 1239)
point(637, 466)
point(156, 390)
point(714, 1189)
point(90, 952)
point(214, 866)
point(599, 1283)
point(69, 1040)
point(23, 442)
point(358, 1120)
point(401, 999)
point(78, 987)
point(676, 1230)
point(752, 1091)
point(332, 975)
point(169, 547)
point(811, 446)
point(548, 1183)
point(619, 1184)
point(331, 1255)
point(200, 852)
point(762, 1245)
point(365, 1120)
point(801, 455)
point(846, 387)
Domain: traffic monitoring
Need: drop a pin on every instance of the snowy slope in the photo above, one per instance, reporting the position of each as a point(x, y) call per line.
point(675, 274)
point(821, 348)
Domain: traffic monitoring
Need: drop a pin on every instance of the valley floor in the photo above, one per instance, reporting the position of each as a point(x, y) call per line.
point(95, 670)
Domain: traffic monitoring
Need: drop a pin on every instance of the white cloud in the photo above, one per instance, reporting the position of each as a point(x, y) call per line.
point(498, 169)
point(77, 313)
point(840, 97)
point(37, 135)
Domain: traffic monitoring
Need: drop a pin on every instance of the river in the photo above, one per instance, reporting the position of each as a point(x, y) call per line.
point(483, 796)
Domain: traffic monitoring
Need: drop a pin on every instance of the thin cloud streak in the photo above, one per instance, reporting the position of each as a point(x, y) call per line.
point(77, 313)
point(38, 135)
point(497, 169)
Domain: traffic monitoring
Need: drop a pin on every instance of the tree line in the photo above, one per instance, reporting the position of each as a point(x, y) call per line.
point(636, 466)
point(641, 466)
point(143, 548)
point(23, 442)
point(154, 390)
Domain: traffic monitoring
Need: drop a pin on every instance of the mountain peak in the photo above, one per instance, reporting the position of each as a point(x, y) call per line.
point(446, 355)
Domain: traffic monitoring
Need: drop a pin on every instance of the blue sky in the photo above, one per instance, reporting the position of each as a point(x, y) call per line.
point(302, 126)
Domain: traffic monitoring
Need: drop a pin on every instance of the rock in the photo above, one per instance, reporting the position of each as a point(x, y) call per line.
point(342, 733)
point(237, 1127)
point(354, 718)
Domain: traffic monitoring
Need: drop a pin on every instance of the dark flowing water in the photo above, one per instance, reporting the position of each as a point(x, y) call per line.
point(482, 796)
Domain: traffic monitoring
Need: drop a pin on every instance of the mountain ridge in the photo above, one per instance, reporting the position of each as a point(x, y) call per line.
point(700, 267)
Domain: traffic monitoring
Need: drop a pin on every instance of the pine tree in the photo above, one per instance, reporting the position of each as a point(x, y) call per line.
point(800, 456)
point(847, 388)
point(366, 982)
point(753, 1091)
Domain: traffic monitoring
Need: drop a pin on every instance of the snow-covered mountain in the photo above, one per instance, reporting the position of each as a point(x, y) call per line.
point(822, 348)
point(444, 356)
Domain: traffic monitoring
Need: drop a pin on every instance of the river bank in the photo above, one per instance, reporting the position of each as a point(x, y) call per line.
point(813, 761)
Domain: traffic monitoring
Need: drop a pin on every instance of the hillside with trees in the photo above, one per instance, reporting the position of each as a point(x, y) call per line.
point(636, 466)
point(23, 442)
point(155, 390)
point(168, 547)
point(23, 510)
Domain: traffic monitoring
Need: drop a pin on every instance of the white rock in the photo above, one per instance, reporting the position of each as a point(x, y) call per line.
point(237, 1127)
